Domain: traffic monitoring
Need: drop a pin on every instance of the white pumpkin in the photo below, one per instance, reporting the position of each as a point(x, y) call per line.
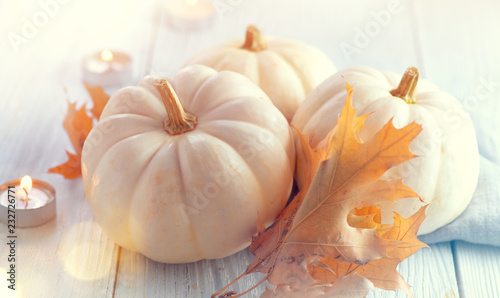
point(446, 172)
point(191, 183)
point(287, 70)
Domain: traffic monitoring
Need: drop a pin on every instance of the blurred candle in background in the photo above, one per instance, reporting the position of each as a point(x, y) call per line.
point(107, 68)
point(189, 14)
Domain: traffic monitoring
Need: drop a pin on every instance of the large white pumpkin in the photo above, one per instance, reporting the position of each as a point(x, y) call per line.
point(192, 183)
point(287, 70)
point(446, 172)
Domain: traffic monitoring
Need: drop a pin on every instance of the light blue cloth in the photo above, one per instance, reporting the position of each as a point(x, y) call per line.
point(480, 222)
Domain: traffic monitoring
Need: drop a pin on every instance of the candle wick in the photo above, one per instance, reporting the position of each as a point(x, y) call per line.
point(27, 198)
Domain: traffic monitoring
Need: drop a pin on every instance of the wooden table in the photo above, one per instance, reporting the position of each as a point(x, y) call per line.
point(453, 43)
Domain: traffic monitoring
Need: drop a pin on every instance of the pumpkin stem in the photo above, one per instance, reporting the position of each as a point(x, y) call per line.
point(254, 41)
point(178, 121)
point(407, 85)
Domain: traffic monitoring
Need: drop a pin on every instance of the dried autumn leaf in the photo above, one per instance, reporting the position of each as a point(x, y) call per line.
point(78, 125)
point(350, 286)
point(381, 272)
point(310, 158)
point(315, 226)
point(99, 97)
point(71, 169)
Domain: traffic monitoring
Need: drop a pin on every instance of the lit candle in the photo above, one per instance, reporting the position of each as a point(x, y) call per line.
point(107, 68)
point(189, 14)
point(27, 202)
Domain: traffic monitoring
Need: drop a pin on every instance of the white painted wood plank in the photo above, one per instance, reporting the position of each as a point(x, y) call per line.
point(69, 256)
point(478, 269)
point(62, 256)
point(88, 258)
point(139, 276)
point(430, 272)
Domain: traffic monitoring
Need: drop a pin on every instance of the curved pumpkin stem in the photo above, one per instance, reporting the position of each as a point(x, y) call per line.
point(254, 41)
point(178, 121)
point(407, 85)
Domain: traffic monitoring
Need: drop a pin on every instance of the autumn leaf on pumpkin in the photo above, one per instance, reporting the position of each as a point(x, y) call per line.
point(320, 244)
point(78, 125)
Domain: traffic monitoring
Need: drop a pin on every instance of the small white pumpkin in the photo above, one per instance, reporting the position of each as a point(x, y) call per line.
point(287, 70)
point(446, 172)
point(186, 175)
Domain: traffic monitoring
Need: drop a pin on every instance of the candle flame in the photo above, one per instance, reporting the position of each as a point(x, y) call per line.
point(192, 2)
point(107, 55)
point(26, 183)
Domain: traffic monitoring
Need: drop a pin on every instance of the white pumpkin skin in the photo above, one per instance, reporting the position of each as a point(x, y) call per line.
point(195, 195)
point(287, 70)
point(446, 172)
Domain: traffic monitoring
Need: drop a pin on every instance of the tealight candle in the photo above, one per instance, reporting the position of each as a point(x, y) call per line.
point(30, 202)
point(107, 68)
point(189, 14)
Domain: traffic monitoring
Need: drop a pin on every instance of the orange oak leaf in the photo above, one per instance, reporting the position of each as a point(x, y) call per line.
point(322, 224)
point(78, 125)
point(308, 164)
point(381, 272)
point(99, 97)
point(71, 169)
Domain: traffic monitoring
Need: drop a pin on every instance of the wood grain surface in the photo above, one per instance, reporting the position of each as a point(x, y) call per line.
point(454, 43)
